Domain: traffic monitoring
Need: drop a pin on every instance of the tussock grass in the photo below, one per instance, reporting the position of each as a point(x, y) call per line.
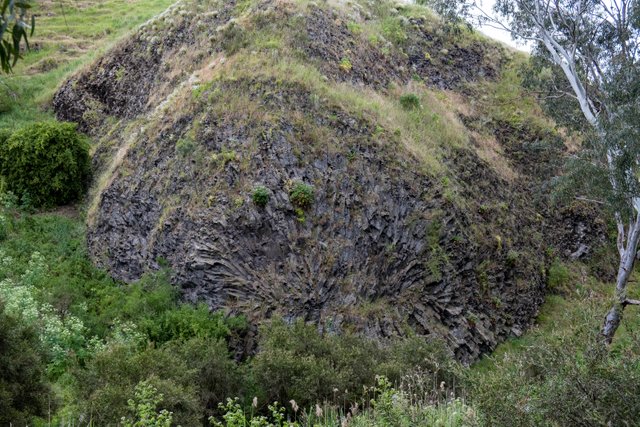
point(505, 100)
point(427, 132)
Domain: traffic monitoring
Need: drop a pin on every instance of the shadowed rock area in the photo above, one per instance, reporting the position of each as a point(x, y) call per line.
point(207, 103)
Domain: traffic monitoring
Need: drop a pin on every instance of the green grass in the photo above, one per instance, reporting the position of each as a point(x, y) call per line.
point(68, 35)
point(505, 100)
point(427, 133)
point(562, 315)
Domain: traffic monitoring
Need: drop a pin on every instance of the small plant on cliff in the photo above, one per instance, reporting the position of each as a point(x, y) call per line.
point(185, 146)
point(354, 27)
point(410, 101)
point(301, 195)
point(260, 196)
point(345, 65)
point(48, 162)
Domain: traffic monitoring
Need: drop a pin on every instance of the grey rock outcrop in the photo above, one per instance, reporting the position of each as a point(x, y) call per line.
point(385, 246)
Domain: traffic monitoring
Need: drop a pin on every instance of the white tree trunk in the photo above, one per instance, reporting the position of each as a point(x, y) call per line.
point(627, 247)
point(563, 54)
point(627, 243)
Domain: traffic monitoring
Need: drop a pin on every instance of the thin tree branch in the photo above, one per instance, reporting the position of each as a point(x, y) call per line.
point(586, 199)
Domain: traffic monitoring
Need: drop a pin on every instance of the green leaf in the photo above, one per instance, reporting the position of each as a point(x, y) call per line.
point(24, 35)
point(5, 4)
point(16, 32)
point(6, 66)
point(3, 58)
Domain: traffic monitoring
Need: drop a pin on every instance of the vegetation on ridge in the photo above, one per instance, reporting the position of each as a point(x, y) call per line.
point(82, 348)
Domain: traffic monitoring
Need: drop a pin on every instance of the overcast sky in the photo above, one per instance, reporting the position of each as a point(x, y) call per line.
point(503, 36)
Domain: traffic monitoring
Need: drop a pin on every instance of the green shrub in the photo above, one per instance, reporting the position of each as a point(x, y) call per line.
point(23, 391)
point(111, 376)
point(296, 362)
point(191, 376)
point(189, 321)
point(512, 258)
point(48, 162)
point(185, 146)
point(410, 101)
point(233, 38)
point(260, 196)
point(559, 276)
point(354, 27)
point(393, 30)
point(345, 65)
point(153, 305)
point(144, 408)
point(565, 378)
point(301, 195)
point(217, 375)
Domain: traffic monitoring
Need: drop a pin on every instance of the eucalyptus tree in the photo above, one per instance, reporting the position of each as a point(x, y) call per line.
point(595, 44)
point(15, 30)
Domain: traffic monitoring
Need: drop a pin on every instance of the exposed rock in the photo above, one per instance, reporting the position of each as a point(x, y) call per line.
point(383, 246)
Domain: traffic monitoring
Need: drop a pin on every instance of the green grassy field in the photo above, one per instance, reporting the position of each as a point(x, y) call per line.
point(68, 35)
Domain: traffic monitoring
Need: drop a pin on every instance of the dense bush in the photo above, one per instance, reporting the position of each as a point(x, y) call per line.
point(260, 196)
point(296, 362)
point(107, 382)
point(23, 389)
point(569, 378)
point(47, 162)
point(192, 376)
point(301, 195)
point(410, 101)
point(218, 376)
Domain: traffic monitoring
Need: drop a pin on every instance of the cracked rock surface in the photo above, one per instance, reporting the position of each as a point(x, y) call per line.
point(382, 249)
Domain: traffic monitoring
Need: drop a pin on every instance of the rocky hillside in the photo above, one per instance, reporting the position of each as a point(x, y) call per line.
point(357, 164)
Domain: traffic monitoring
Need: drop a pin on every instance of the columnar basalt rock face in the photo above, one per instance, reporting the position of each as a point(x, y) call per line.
point(379, 249)
point(382, 249)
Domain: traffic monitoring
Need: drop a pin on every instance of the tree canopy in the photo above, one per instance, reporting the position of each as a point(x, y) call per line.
point(595, 44)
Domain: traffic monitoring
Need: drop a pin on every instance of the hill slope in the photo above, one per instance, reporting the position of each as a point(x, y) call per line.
point(421, 207)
